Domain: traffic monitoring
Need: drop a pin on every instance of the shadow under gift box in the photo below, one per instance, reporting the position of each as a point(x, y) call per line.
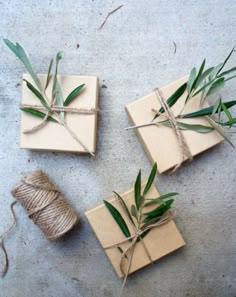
point(53, 136)
point(159, 241)
point(160, 142)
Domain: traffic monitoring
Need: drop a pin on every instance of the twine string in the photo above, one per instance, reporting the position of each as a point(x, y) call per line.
point(45, 206)
point(183, 145)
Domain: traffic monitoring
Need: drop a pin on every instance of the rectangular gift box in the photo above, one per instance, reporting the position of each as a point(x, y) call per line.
point(53, 136)
point(159, 241)
point(160, 141)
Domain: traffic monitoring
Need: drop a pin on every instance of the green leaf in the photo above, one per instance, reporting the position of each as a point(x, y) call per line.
point(215, 71)
point(137, 190)
point(49, 74)
point(216, 86)
point(37, 94)
point(20, 53)
point(173, 98)
point(191, 79)
point(218, 129)
point(203, 87)
point(194, 127)
point(231, 77)
point(123, 204)
point(73, 94)
point(227, 71)
point(38, 114)
point(150, 179)
point(216, 107)
point(203, 76)
point(226, 60)
point(134, 212)
point(118, 218)
point(159, 211)
point(199, 74)
point(227, 112)
point(56, 88)
point(206, 111)
point(160, 198)
point(228, 123)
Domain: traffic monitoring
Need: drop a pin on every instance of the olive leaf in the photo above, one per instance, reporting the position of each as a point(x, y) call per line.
point(191, 79)
point(123, 204)
point(226, 60)
point(38, 114)
point(134, 212)
point(206, 111)
point(193, 127)
point(73, 94)
point(137, 190)
point(203, 77)
point(160, 198)
point(49, 76)
point(36, 93)
point(227, 71)
point(20, 53)
point(159, 211)
point(150, 179)
point(118, 218)
point(216, 86)
point(227, 112)
point(56, 88)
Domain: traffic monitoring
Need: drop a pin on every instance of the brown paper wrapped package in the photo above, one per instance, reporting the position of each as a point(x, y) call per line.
point(159, 241)
point(160, 142)
point(53, 136)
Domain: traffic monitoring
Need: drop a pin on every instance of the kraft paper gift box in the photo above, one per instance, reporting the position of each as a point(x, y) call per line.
point(53, 136)
point(160, 142)
point(159, 241)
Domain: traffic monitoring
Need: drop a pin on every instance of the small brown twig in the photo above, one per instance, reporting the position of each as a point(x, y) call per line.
point(110, 13)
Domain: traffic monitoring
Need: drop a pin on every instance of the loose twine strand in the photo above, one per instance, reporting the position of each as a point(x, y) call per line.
point(183, 145)
point(133, 241)
point(45, 206)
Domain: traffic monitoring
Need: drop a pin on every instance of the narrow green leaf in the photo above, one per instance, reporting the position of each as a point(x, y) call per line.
point(227, 112)
point(56, 88)
point(159, 211)
point(194, 127)
point(215, 71)
point(150, 179)
point(218, 129)
point(203, 76)
point(199, 74)
point(226, 60)
point(20, 53)
point(73, 94)
point(123, 204)
point(228, 123)
point(137, 190)
point(134, 212)
point(227, 71)
point(216, 107)
point(203, 87)
point(231, 77)
point(206, 111)
point(160, 198)
point(191, 79)
point(118, 218)
point(37, 94)
point(38, 114)
point(49, 74)
point(216, 86)
point(173, 98)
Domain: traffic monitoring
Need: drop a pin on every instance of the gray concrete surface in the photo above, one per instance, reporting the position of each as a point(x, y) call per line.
point(132, 54)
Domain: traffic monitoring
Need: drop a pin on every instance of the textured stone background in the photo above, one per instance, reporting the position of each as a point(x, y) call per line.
point(131, 55)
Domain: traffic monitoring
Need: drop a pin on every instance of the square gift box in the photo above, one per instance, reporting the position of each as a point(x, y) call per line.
point(160, 142)
point(53, 136)
point(159, 241)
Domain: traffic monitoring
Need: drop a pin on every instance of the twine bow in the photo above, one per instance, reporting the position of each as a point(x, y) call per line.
point(133, 239)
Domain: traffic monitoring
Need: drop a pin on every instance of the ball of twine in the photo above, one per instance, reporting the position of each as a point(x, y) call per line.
point(45, 205)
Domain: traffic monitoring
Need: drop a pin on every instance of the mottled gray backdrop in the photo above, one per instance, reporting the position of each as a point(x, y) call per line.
point(132, 54)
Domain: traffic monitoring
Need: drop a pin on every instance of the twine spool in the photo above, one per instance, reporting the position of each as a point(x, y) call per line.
point(45, 205)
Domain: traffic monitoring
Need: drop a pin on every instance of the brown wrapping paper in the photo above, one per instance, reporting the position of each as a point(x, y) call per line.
point(53, 136)
point(159, 242)
point(160, 142)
